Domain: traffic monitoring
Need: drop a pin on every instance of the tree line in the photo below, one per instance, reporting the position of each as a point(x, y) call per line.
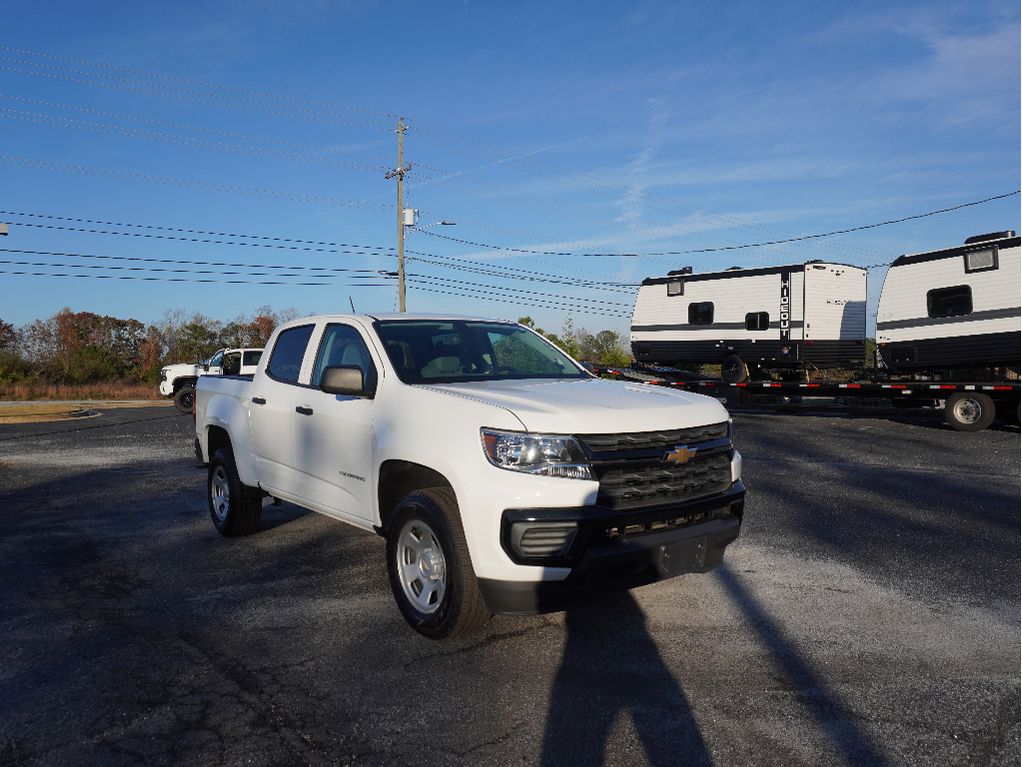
point(84, 348)
point(73, 348)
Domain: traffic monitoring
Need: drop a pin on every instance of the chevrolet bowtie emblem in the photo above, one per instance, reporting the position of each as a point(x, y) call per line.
point(680, 454)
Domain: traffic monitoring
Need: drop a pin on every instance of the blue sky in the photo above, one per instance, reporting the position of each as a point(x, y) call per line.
point(576, 128)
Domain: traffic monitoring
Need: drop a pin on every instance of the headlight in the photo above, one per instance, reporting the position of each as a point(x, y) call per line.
point(549, 455)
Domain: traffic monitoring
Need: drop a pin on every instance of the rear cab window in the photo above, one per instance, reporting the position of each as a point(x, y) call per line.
point(285, 364)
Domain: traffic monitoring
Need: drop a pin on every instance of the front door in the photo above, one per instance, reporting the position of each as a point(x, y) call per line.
point(333, 434)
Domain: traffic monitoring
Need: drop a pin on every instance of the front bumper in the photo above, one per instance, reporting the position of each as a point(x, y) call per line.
point(603, 563)
point(167, 388)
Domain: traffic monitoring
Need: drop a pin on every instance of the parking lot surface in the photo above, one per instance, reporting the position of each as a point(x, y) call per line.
point(868, 614)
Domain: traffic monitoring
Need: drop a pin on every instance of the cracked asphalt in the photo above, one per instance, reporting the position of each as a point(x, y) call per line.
point(869, 614)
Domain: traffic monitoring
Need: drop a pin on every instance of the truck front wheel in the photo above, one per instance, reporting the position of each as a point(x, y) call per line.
point(966, 411)
point(429, 566)
point(184, 398)
point(235, 508)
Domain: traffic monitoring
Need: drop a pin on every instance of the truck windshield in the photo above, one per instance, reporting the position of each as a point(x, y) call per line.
point(458, 351)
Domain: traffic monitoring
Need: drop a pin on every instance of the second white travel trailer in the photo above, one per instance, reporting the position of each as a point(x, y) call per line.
point(810, 315)
point(956, 309)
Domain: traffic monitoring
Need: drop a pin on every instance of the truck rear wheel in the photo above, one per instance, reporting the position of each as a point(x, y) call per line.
point(968, 411)
point(733, 370)
point(235, 508)
point(184, 398)
point(429, 566)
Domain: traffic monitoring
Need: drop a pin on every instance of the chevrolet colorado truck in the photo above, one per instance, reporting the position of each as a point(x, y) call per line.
point(504, 477)
point(178, 381)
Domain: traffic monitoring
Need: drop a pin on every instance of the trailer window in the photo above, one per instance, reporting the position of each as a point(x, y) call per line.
point(949, 302)
point(981, 260)
point(676, 288)
point(700, 313)
point(757, 320)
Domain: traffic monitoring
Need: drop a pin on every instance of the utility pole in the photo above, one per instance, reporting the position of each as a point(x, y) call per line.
point(399, 174)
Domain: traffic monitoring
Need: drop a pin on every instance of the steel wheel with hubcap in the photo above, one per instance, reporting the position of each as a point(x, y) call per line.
point(234, 508)
point(219, 494)
point(421, 566)
point(430, 570)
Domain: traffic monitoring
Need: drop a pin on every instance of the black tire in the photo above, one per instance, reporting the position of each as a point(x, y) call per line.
point(184, 398)
point(733, 370)
point(234, 508)
point(438, 595)
point(969, 411)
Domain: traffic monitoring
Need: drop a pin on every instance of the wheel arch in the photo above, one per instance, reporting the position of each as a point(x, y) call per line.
point(397, 478)
point(216, 438)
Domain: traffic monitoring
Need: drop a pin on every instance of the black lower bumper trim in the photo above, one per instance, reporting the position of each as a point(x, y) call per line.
point(617, 565)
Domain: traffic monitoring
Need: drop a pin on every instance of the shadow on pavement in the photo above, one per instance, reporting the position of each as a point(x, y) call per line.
point(611, 666)
point(834, 720)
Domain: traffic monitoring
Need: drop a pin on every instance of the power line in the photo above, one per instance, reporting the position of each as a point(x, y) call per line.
point(188, 81)
point(614, 304)
point(192, 184)
point(182, 279)
point(150, 260)
point(140, 86)
point(161, 270)
point(85, 125)
point(187, 126)
point(519, 274)
point(273, 239)
point(536, 304)
point(212, 237)
point(727, 247)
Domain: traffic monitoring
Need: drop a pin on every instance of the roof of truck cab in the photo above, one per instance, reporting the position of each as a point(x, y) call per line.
point(392, 316)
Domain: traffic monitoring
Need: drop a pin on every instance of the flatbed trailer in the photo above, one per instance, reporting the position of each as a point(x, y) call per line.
point(967, 405)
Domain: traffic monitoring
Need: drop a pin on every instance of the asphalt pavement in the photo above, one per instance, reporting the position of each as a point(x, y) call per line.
point(868, 614)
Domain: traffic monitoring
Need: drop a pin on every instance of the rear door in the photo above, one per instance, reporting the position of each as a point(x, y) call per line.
point(835, 302)
point(275, 394)
point(333, 434)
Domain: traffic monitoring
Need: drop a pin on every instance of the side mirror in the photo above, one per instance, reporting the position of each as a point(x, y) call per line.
point(344, 379)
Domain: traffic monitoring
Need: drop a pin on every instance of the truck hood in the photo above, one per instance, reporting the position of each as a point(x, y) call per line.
point(591, 406)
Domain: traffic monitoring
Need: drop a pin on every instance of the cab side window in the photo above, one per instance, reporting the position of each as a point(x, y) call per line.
point(286, 359)
point(343, 345)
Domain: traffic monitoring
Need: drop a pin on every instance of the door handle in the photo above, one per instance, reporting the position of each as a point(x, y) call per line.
point(258, 401)
point(303, 410)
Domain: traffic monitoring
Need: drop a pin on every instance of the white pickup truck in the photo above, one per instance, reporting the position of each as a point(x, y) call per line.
point(503, 475)
point(178, 381)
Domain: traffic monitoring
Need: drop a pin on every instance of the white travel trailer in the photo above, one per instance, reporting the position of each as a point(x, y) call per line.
point(800, 316)
point(954, 309)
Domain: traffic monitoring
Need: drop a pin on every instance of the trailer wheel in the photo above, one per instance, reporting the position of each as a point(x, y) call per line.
point(184, 398)
point(733, 370)
point(968, 411)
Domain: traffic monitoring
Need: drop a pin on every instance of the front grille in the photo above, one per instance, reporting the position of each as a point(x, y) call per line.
point(650, 440)
point(630, 529)
point(649, 484)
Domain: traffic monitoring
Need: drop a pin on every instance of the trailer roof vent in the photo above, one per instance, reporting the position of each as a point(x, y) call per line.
point(990, 236)
point(683, 270)
point(733, 269)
